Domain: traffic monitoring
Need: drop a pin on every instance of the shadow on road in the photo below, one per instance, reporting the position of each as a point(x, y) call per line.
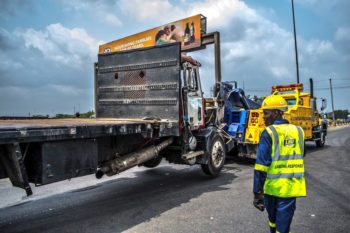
point(116, 205)
point(310, 148)
point(326, 191)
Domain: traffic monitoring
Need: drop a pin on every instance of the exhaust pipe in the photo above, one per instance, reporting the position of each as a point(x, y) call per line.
point(313, 100)
point(118, 165)
point(311, 88)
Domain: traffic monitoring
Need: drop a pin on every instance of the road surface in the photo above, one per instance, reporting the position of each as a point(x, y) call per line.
point(173, 198)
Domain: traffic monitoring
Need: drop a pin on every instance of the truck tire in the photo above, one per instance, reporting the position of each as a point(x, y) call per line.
point(320, 143)
point(217, 156)
point(153, 162)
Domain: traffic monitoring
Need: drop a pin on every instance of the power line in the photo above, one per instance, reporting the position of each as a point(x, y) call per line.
point(327, 88)
point(318, 89)
point(327, 80)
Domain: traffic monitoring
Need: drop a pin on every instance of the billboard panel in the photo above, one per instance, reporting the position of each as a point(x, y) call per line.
point(187, 31)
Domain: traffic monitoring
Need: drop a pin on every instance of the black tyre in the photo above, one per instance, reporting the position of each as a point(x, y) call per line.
point(322, 140)
point(153, 162)
point(217, 156)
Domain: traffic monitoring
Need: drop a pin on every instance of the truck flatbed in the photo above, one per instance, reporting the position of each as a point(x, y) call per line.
point(36, 130)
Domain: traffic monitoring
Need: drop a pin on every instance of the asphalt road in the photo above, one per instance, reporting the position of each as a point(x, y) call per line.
point(173, 198)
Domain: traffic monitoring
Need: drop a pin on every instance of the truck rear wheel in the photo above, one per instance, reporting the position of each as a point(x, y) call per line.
point(216, 160)
point(322, 140)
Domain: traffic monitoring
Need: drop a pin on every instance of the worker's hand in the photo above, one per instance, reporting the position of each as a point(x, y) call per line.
point(258, 201)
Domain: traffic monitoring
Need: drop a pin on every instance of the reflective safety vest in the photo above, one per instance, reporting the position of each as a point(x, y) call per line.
point(285, 175)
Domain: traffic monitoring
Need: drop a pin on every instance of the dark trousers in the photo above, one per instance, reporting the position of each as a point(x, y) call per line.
point(280, 211)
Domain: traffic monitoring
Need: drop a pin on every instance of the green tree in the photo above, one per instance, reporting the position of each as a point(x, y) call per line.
point(77, 115)
point(339, 114)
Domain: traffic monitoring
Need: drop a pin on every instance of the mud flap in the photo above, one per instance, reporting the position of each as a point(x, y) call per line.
point(205, 137)
point(12, 161)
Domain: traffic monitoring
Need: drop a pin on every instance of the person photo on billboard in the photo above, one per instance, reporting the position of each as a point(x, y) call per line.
point(175, 33)
point(161, 38)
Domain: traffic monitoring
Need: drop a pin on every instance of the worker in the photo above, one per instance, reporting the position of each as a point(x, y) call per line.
point(279, 168)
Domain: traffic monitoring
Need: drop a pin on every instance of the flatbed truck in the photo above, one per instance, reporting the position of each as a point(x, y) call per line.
point(149, 105)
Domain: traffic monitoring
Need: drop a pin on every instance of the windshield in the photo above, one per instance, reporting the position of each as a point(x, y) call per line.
point(291, 101)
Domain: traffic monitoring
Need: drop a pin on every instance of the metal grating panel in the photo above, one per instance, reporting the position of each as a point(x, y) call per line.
point(143, 83)
point(140, 87)
point(150, 65)
point(139, 101)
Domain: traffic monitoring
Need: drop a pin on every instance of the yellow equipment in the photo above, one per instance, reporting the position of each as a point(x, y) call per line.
point(300, 110)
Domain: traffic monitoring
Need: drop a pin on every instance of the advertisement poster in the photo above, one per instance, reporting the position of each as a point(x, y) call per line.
point(187, 31)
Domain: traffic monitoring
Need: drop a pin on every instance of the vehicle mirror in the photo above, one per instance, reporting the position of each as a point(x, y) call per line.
point(324, 104)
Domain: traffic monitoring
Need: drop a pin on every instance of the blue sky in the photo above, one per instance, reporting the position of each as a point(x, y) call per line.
point(47, 48)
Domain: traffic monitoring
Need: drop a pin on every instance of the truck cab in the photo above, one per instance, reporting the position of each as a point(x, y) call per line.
point(302, 111)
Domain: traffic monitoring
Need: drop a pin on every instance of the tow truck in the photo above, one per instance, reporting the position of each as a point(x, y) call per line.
point(246, 123)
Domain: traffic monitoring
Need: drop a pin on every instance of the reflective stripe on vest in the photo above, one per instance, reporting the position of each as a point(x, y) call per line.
point(272, 225)
point(260, 167)
point(285, 175)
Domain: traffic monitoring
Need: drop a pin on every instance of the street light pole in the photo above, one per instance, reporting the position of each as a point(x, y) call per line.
point(330, 83)
point(295, 44)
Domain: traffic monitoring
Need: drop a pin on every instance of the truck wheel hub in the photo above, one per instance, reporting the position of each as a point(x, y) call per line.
point(217, 154)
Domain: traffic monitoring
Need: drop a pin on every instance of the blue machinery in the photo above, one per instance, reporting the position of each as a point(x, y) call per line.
point(236, 112)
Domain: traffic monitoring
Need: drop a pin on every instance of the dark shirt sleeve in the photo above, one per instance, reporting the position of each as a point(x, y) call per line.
point(263, 157)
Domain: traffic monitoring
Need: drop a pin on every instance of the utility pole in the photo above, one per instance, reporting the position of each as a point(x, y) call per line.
point(330, 83)
point(295, 44)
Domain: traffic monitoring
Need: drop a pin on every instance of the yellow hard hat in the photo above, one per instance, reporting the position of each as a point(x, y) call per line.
point(274, 102)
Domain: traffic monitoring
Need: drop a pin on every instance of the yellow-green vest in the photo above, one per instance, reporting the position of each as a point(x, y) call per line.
point(285, 176)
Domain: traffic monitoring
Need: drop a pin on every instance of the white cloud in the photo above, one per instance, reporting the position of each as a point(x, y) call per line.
point(334, 12)
point(245, 35)
point(99, 10)
point(159, 11)
point(308, 2)
point(280, 72)
point(343, 33)
point(66, 90)
point(44, 99)
point(319, 47)
point(220, 13)
point(7, 63)
point(262, 52)
point(71, 47)
point(112, 19)
point(76, 5)
point(236, 51)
